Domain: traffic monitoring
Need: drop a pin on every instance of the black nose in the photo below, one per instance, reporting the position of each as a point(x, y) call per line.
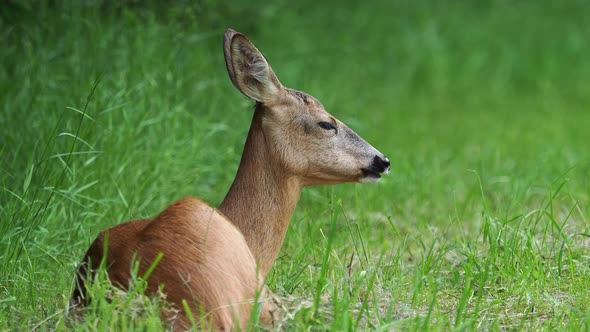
point(386, 163)
point(380, 165)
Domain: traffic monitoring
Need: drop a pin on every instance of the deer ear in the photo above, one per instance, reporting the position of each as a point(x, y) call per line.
point(248, 69)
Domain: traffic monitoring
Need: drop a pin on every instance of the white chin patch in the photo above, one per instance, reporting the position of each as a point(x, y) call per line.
point(370, 179)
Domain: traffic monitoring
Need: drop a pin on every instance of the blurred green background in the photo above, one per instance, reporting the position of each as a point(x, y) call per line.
point(482, 108)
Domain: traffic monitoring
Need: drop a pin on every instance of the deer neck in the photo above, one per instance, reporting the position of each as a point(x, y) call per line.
point(262, 197)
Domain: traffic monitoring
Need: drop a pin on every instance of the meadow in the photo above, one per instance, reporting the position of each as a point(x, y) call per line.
point(110, 111)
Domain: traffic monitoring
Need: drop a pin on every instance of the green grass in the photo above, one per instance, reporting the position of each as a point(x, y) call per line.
point(112, 112)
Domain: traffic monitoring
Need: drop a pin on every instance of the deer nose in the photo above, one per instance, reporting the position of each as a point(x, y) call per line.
point(381, 164)
point(386, 163)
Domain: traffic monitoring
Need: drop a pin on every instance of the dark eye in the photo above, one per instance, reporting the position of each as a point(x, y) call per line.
point(326, 125)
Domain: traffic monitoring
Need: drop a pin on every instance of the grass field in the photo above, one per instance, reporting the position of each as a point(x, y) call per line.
point(110, 112)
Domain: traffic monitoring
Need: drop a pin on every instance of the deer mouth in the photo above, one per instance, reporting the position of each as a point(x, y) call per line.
point(371, 174)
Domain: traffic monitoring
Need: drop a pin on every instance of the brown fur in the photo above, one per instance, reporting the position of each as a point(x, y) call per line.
point(217, 260)
point(202, 251)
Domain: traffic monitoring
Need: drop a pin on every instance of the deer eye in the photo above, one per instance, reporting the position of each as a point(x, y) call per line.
point(326, 125)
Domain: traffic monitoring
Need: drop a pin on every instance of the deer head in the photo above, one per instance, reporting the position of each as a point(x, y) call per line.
point(302, 136)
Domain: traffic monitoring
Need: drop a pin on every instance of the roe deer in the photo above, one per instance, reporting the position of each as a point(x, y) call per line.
point(217, 259)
